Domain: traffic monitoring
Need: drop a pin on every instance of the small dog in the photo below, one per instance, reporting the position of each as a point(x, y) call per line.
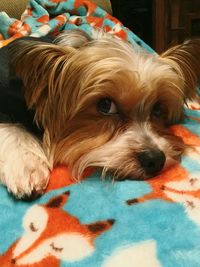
point(99, 102)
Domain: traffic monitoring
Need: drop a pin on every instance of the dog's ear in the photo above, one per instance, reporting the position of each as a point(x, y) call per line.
point(40, 66)
point(185, 60)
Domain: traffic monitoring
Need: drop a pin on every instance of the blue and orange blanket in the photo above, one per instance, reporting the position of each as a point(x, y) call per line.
point(95, 223)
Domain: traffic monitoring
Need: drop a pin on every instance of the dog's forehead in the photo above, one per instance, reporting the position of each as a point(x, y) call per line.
point(140, 90)
point(130, 99)
point(133, 97)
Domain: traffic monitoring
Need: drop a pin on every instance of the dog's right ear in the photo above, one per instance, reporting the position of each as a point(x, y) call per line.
point(39, 65)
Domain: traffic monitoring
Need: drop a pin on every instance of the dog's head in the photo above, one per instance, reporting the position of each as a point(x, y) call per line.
point(107, 104)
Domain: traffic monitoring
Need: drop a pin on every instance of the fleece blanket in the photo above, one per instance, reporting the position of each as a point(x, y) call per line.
point(95, 223)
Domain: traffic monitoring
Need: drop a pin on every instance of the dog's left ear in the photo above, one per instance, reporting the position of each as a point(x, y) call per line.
point(185, 60)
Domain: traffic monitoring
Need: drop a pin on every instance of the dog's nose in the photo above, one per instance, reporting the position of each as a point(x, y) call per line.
point(152, 161)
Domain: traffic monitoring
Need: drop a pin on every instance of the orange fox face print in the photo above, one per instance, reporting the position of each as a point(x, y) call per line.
point(52, 235)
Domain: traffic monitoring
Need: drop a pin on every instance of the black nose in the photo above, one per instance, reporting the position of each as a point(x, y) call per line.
point(152, 161)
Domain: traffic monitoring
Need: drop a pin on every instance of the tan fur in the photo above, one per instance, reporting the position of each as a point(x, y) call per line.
point(185, 59)
point(66, 79)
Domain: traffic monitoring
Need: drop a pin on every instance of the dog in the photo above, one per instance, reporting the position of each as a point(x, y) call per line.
point(92, 102)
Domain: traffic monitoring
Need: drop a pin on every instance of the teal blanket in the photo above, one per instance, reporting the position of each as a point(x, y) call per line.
point(98, 223)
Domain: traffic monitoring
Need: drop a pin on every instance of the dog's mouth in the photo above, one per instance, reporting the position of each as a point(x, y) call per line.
point(135, 155)
point(151, 163)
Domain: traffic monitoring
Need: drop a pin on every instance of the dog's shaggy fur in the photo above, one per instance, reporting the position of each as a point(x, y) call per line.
point(101, 103)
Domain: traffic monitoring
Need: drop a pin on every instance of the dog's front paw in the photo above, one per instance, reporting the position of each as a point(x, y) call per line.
point(24, 168)
point(26, 176)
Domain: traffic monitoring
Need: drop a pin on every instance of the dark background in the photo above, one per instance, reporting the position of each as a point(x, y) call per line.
point(160, 23)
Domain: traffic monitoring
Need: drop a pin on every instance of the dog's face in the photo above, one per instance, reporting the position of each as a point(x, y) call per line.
point(106, 104)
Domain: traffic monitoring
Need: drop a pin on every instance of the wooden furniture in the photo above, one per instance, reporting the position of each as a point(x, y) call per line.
point(160, 23)
point(174, 21)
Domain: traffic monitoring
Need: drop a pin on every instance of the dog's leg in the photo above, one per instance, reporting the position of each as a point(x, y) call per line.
point(23, 165)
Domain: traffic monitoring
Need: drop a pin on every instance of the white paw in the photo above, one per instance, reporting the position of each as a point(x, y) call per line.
point(24, 167)
point(26, 175)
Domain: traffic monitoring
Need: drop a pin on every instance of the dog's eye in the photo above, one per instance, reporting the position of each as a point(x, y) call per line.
point(158, 110)
point(106, 106)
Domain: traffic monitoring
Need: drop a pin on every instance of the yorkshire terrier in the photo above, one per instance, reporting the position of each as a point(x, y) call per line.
point(98, 102)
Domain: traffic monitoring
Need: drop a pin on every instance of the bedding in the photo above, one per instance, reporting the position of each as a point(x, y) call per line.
point(101, 223)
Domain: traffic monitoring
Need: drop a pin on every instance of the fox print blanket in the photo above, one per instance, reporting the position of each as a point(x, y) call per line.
point(98, 223)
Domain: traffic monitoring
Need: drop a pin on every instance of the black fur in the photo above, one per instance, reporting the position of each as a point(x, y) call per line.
point(13, 108)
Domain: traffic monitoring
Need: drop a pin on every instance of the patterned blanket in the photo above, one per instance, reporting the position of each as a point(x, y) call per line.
point(98, 223)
